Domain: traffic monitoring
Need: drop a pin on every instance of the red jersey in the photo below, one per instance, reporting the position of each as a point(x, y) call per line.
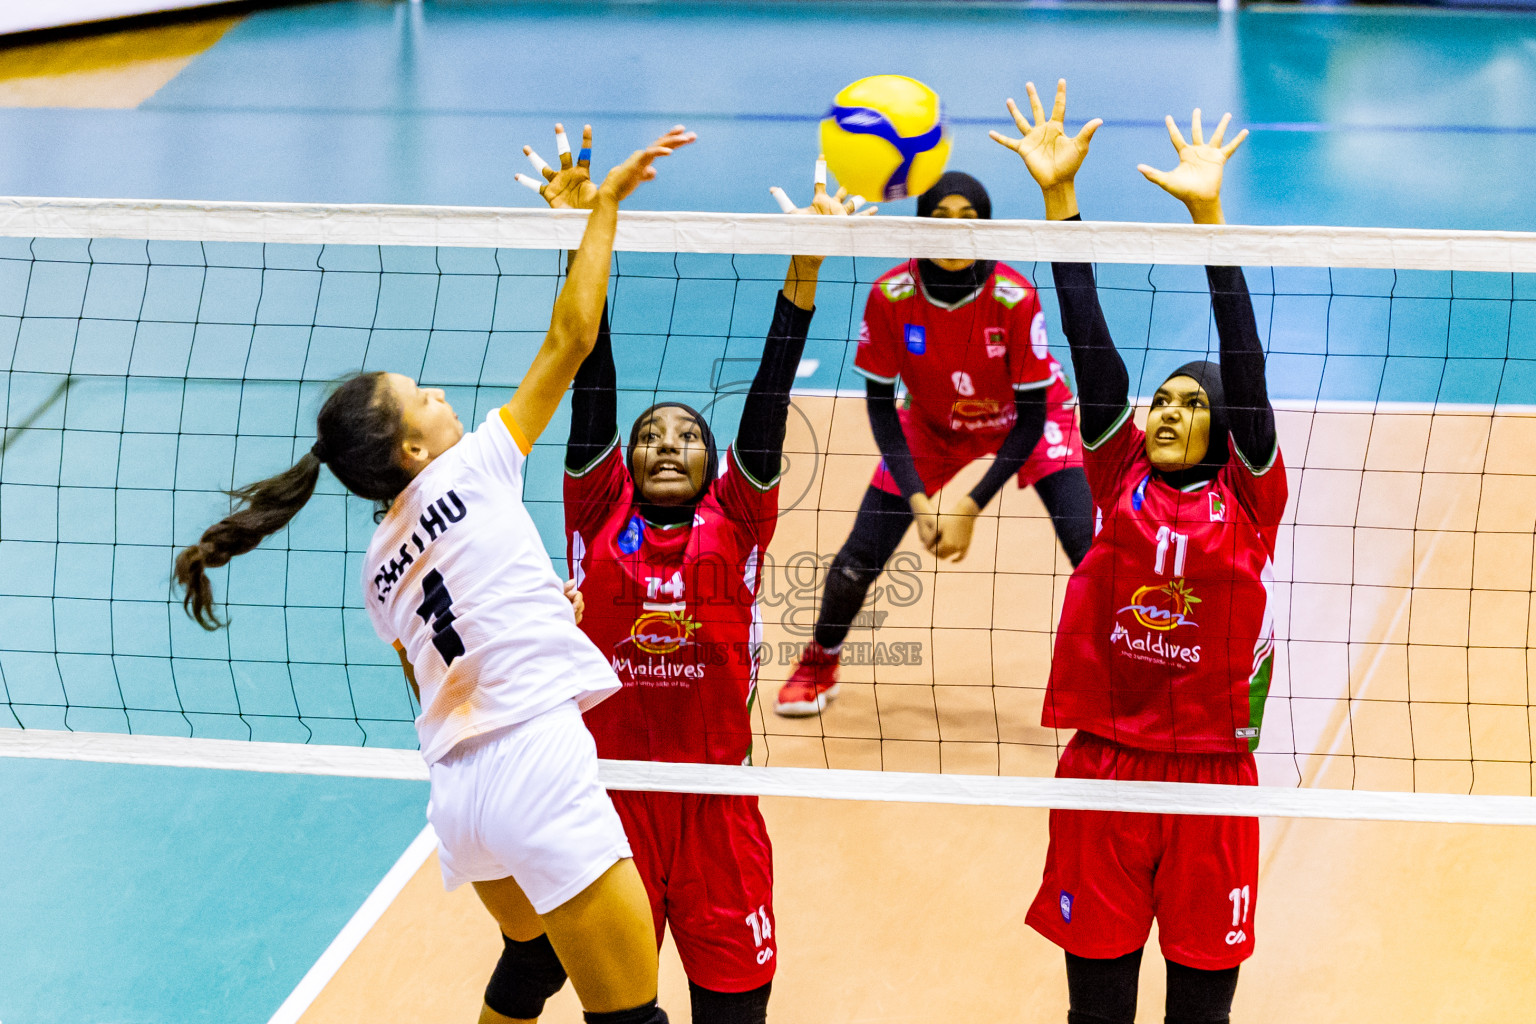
point(675, 611)
point(1166, 639)
point(961, 363)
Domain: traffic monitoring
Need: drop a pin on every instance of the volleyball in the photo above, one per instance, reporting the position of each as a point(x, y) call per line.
point(885, 137)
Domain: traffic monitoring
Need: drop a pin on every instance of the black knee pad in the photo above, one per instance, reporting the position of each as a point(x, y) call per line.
point(1103, 991)
point(853, 570)
point(1200, 997)
point(711, 1007)
point(649, 1013)
point(527, 974)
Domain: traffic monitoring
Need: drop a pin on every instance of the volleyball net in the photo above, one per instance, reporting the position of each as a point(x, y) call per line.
point(161, 353)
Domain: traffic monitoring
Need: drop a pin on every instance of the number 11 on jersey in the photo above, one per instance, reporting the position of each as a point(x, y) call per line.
point(1180, 546)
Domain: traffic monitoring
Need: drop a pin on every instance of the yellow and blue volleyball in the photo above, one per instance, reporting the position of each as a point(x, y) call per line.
point(885, 137)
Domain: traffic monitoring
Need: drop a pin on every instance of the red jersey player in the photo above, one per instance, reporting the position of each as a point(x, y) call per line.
point(1166, 639)
point(968, 339)
point(665, 547)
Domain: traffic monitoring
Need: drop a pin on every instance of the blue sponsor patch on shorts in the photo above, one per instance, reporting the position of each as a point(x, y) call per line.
point(917, 339)
point(1066, 906)
point(634, 533)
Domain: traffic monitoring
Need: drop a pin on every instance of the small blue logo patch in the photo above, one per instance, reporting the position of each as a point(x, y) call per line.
point(917, 339)
point(1066, 906)
point(1140, 494)
point(634, 533)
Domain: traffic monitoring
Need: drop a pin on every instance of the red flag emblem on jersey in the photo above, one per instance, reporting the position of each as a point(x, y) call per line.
point(1218, 508)
point(997, 342)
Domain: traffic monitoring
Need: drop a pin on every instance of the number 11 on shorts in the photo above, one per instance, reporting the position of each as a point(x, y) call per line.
point(1240, 901)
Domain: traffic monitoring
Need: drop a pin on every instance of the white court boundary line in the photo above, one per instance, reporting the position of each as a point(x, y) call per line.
point(820, 783)
point(361, 923)
point(768, 233)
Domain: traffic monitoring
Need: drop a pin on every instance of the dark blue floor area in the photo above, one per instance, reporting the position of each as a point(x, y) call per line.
point(143, 895)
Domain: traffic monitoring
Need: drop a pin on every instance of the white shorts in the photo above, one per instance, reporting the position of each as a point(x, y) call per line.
point(525, 802)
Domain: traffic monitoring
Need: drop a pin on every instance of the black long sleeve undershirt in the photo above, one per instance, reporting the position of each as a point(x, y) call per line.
point(594, 405)
point(1104, 386)
point(760, 435)
point(1250, 417)
point(885, 424)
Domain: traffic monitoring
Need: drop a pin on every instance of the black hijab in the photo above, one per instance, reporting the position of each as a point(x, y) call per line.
point(671, 515)
point(951, 286)
point(1208, 375)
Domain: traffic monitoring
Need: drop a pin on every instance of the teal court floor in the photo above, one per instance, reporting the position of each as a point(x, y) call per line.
point(137, 894)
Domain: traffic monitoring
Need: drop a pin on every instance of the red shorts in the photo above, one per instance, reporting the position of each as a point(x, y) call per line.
point(939, 458)
point(708, 869)
point(1108, 874)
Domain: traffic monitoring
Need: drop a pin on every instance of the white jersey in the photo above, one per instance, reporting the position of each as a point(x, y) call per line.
point(457, 576)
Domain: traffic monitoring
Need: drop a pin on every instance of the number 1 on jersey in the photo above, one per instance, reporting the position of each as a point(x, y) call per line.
point(436, 609)
point(1180, 546)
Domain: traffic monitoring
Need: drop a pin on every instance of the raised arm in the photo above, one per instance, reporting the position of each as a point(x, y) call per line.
point(573, 326)
point(594, 405)
point(1053, 159)
point(760, 435)
point(1196, 182)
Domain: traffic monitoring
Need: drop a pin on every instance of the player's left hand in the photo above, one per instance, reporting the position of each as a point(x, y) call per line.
point(955, 528)
point(578, 603)
point(1196, 182)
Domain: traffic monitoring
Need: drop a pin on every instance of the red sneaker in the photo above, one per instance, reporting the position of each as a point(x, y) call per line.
point(812, 686)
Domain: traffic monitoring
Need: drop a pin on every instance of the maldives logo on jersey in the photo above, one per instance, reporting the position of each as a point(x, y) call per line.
point(662, 632)
point(981, 414)
point(1159, 609)
point(1163, 607)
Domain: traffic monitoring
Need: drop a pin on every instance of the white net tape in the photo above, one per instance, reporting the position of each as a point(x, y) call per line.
point(892, 237)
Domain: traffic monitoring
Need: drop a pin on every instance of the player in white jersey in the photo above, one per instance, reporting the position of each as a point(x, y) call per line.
point(457, 578)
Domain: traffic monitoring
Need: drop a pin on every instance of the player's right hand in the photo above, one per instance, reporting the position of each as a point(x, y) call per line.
point(927, 520)
point(626, 177)
point(1196, 182)
point(1051, 155)
point(571, 188)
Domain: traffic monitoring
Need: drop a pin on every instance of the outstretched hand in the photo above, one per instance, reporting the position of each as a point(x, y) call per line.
point(838, 205)
point(800, 281)
point(1051, 155)
point(1196, 181)
point(571, 188)
point(626, 177)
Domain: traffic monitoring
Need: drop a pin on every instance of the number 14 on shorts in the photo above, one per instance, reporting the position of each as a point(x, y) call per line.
point(762, 931)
